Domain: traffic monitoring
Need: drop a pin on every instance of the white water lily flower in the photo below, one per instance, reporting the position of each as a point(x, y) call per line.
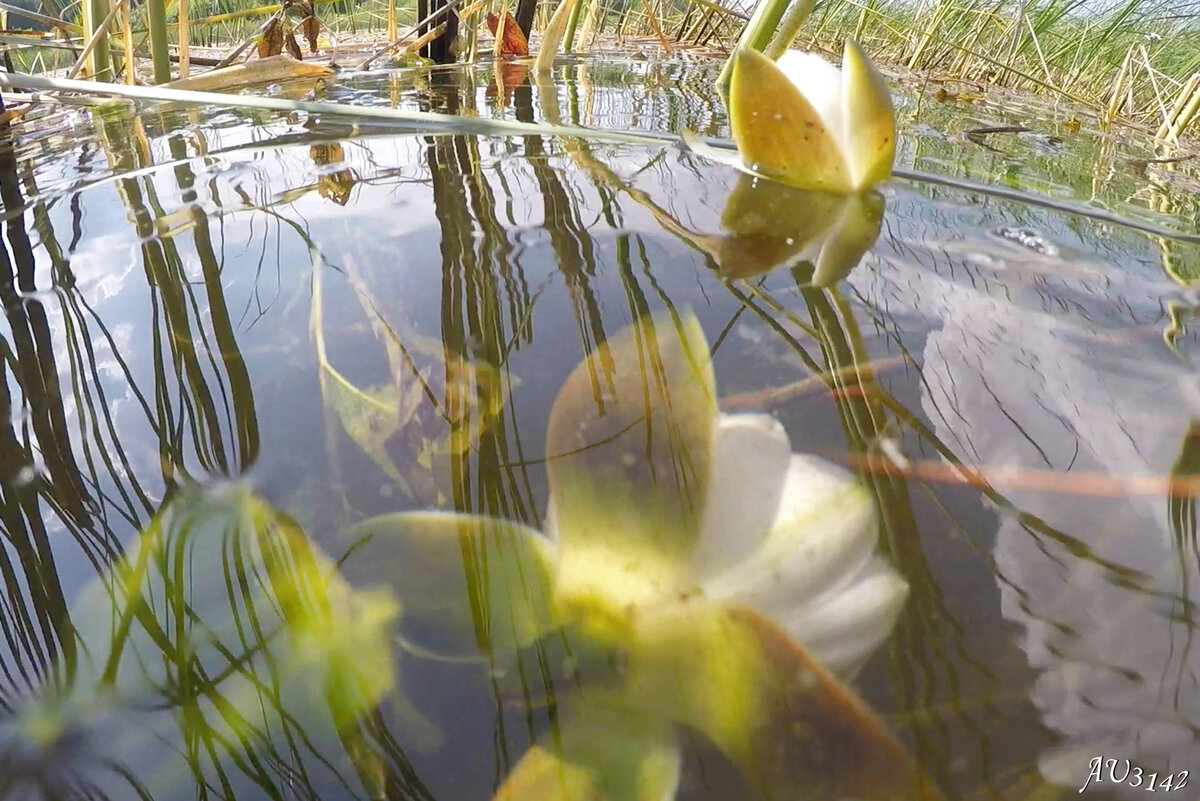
point(787, 534)
point(807, 123)
point(731, 575)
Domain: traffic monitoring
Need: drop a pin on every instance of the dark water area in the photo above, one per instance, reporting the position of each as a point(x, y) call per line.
point(351, 320)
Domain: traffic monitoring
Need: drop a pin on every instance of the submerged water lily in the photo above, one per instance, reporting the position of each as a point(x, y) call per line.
point(805, 122)
point(729, 574)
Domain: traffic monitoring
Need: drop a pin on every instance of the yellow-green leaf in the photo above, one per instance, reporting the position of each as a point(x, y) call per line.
point(870, 120)
point(468, 583)
point(778, 131)
point(628, 446)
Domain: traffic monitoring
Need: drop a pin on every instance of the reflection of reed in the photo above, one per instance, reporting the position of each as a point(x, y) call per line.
point(480, 283)
point(33, 618)
point(202, 407)
point(191, 405)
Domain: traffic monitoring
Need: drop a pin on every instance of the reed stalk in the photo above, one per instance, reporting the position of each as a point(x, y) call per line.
point(1168, 130)
point(160, 54)
point(97, 65)
point(553, 34)
point(789, 28)
point(1189, 113)
point(129, 68)
point(184, 55)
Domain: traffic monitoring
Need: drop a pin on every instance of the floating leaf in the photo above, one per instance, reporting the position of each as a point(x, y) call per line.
point(512, 41)
point(629, 446)
point(600, 753)
point(794, 730)
point(468, 583)
point(273, 69)
point(778, 131)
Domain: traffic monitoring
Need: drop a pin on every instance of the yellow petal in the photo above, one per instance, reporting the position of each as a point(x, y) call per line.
point(870, 120)
point(778, 131)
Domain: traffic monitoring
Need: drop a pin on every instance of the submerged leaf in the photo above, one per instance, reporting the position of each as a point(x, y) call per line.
point(468, 583)
point(795, 731)
point(778, 131)
point(629, 446)
point(600, 753)
point(223, 625)
point(372, 418)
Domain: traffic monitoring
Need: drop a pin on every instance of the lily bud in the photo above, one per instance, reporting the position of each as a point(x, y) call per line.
point(804, 122)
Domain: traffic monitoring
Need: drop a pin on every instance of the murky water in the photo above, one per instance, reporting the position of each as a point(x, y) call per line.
point(355, 322)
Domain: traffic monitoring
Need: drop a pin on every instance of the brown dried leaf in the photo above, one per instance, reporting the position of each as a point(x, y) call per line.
point(311, 27)
point(512, 40)
point(271, 43)
point(293, 47)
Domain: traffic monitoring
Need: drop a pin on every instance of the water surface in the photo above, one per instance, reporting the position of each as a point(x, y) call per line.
point(357, 320)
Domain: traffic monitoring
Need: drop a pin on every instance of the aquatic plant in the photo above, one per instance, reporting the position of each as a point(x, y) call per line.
point(805, 122)
point(729, 578)
point(222, 647)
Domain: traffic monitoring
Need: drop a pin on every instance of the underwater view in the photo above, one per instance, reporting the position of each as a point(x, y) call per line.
point(342, 459)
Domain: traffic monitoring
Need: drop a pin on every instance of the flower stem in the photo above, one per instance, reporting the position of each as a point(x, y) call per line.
point(789, 28)
point(756, 35)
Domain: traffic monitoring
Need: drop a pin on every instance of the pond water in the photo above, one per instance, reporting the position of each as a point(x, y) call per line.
point(356, 320)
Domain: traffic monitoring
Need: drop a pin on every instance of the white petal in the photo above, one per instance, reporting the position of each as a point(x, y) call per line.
point(821, 84)
point(822, 536)
point(750, 463)
point(843, 627)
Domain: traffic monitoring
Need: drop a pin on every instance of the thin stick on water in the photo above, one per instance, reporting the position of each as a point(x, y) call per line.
point(424, 122)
